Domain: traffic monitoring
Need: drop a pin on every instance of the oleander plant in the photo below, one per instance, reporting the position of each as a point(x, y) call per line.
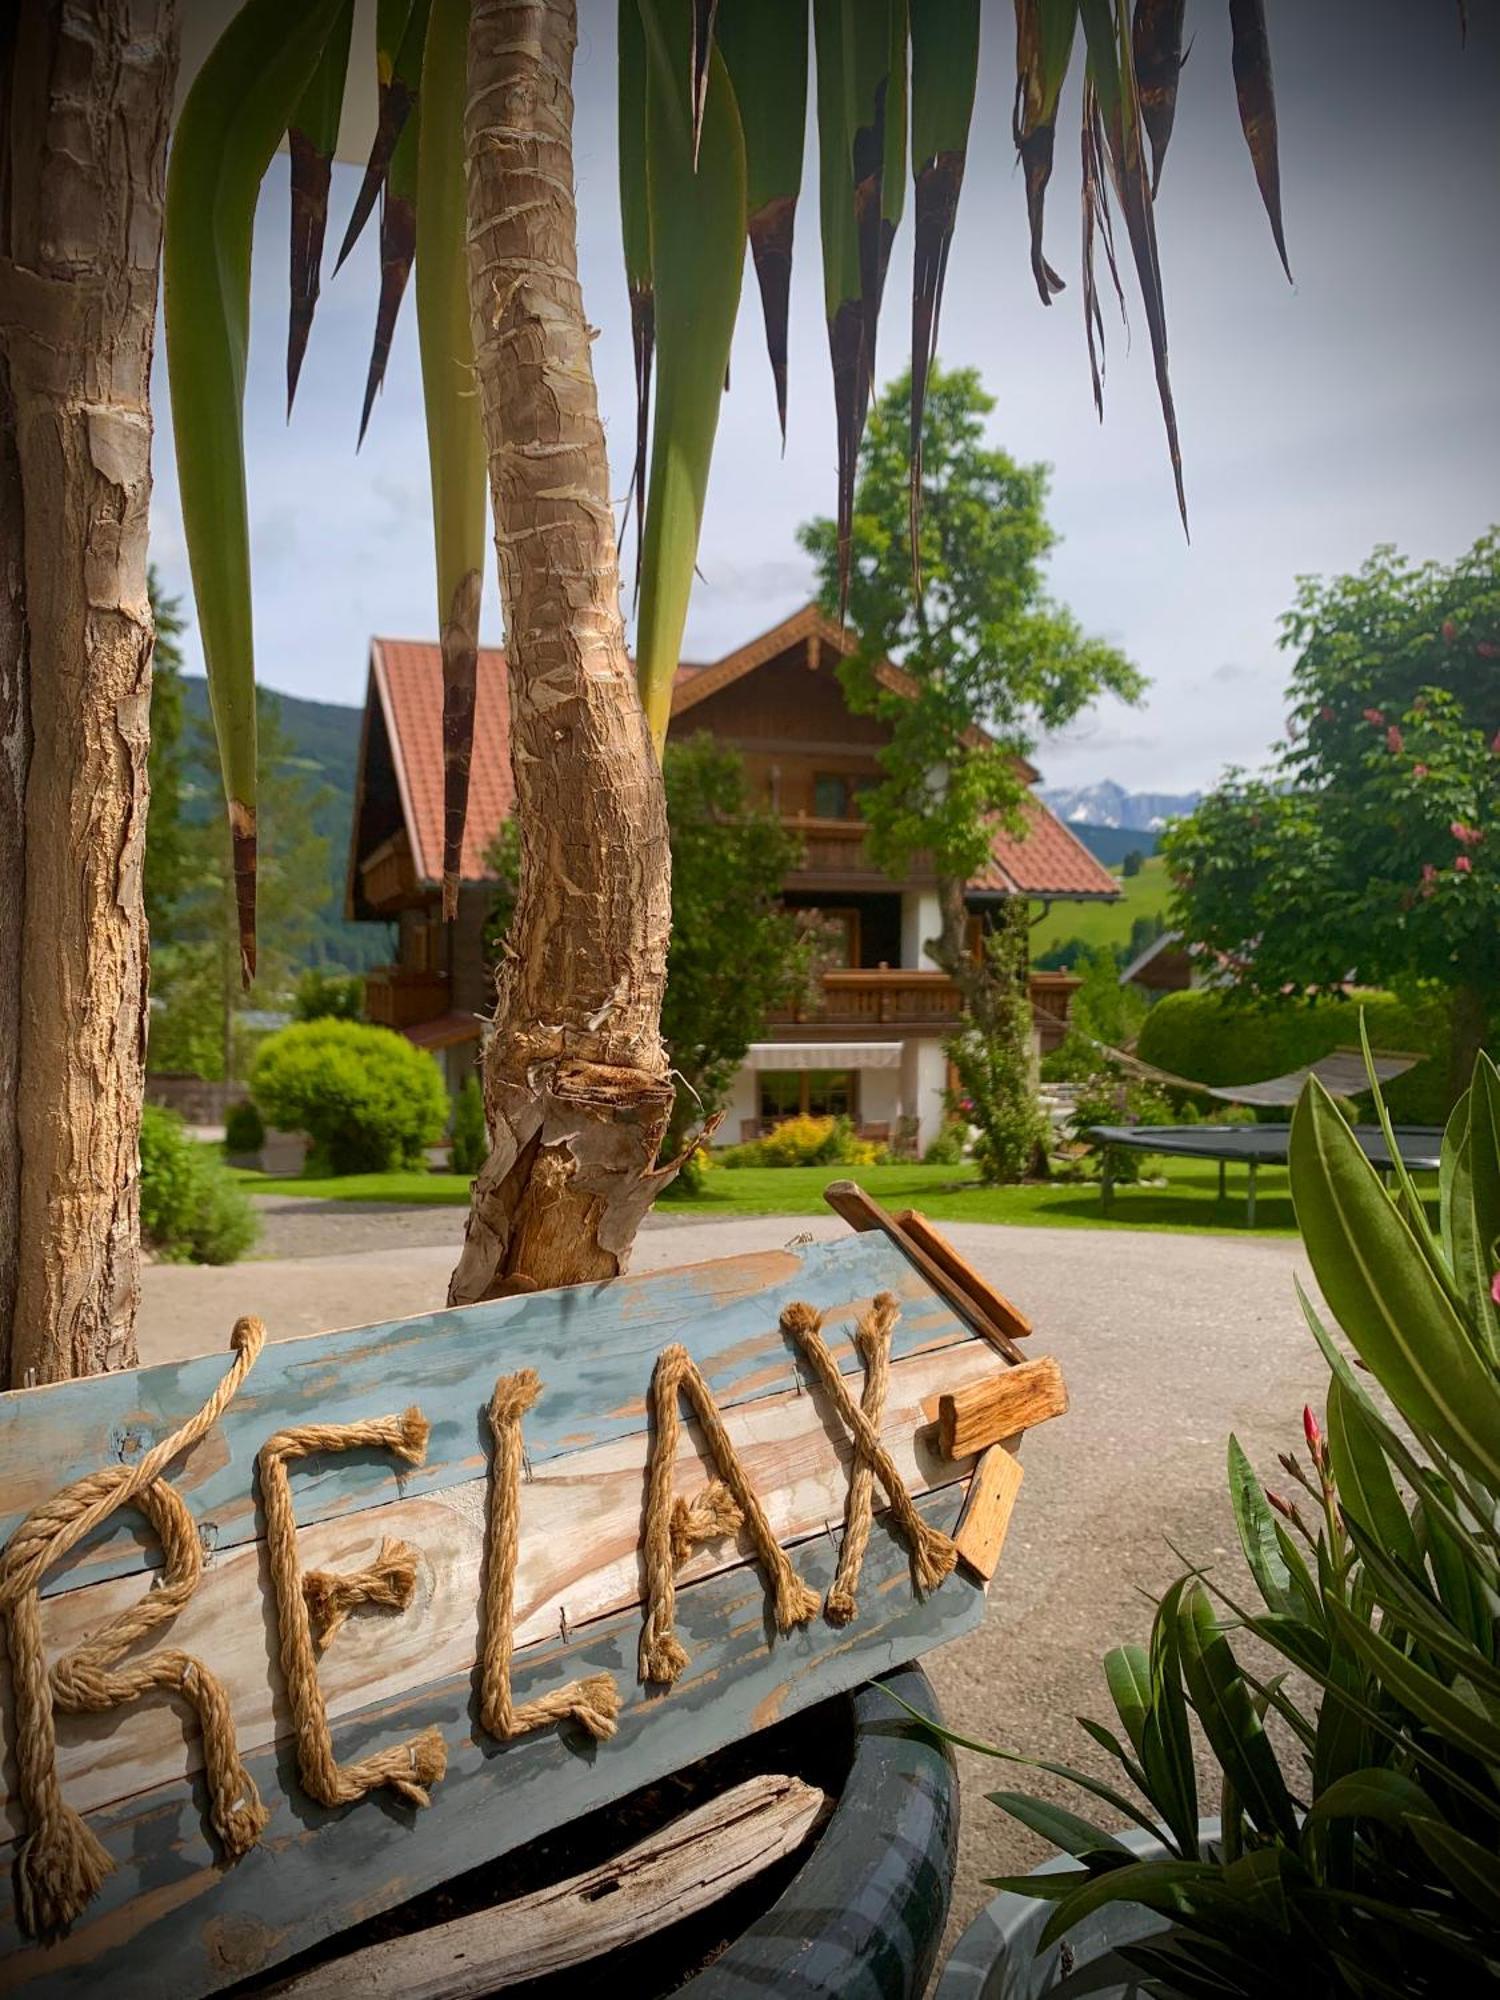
point(1357, 1851)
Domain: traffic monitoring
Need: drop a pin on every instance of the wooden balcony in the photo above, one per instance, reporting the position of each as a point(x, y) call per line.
point(837, 852)
point(388, 875)
point(396, 997)
point(883, 999)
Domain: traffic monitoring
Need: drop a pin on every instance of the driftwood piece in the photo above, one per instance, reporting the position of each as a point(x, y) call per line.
point(980, 1534)
point(983, 1413)
point(672, 1874)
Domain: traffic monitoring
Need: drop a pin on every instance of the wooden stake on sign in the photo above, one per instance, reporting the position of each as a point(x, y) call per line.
point(681, 1869)
point(994, 1304)
point(861, 1211)
point(980, 1534)
point(983, 1413)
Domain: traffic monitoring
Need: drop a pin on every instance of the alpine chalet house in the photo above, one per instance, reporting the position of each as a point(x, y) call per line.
point(869, 1044)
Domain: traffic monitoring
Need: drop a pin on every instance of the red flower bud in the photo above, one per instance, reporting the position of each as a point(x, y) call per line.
point(1325, 714)
point(1374, 717)
point(1283, 1507)
point(1395, 742)
point(1310, 1430)
point(1495, 1288)
point(1450, 631)
point(1463, 864)
point(1419, 770)
point(1487, 650)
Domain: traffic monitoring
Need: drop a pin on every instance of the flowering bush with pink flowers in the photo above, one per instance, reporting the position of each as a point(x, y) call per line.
point(1369, 851)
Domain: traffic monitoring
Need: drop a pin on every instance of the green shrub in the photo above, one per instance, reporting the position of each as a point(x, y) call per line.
point(322, 995)
point(244, 1128)
point(470, 1137)
point(192, 1209)
point(365, 1097)
point(1214, 1038)
point(1111, 1097)
point(947, 1149)
point(1356, 1854)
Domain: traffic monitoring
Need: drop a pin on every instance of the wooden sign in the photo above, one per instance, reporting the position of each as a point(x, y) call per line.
point(426, 1590)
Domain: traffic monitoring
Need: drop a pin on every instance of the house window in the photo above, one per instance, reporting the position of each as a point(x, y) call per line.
point(836, 793)
point(807, 1093)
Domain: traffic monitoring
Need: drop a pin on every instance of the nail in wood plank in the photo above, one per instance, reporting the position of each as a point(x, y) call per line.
point(980, 1534)
point(982, 1413)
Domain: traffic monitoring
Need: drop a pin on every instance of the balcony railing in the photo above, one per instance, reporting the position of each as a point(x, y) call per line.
point(839, 850)
point(876, 1000)
point(389, 876)
point(396, 997)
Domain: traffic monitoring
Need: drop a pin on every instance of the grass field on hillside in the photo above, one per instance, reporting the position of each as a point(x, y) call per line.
point(1145, 895)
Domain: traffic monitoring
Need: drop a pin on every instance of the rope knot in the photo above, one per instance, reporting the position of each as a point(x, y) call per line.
point(415, 1431)
point(513, 1397)
point(388, 1582)
point(711, 1514)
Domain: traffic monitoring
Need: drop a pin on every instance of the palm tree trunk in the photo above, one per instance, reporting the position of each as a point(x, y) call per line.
point(576, 1080)
point(85, 94)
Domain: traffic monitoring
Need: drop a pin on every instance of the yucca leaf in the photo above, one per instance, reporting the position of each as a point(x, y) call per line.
point(1455, 1572)
point(1472, 1209)
point(697, 257)
point(1361, 1472)
point(1166, 1744)
point(1378, 1793)
point(233, 118)
point(1430, 1622)
point(764, 44)
point(455, 435)
point(400, 31)
point(1107, 1740)
point(1157, 39)
point(1160, 1885)
point(1223, 1706)
point(1094, 181)
point(1127, 1673)
point(841, 266)
point(635, 232)
point(1044, 49)
point(1257, 102)
point(1383, 1293)
point(398, 249)
point(704, 12)
point(312, 137)
point(1065, 1830)
point(1112, 67)
point(874, 113)
point(1468, 1865)
point(1257, 1530)
point(1464, 1719)
point(944, 72)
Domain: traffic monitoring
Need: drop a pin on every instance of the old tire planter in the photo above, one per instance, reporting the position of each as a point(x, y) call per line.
point(996, 1958)
point(863, 1917)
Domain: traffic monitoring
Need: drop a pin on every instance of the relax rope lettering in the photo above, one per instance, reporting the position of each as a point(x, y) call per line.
point(61, 1864)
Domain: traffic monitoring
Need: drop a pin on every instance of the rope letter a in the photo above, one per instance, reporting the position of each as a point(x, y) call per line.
point(662, 1654)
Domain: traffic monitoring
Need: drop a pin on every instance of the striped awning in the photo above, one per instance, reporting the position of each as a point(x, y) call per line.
point(823, 1055)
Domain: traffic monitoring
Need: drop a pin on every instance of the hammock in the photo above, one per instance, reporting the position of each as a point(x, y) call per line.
point(1343, 1073)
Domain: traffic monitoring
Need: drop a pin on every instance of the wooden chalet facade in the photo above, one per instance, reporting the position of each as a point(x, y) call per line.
point(870, 1043)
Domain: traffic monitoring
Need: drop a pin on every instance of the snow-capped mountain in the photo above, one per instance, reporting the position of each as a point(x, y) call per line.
point(1109, 804)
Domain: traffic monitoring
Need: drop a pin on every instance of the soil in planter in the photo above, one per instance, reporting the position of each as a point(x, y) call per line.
point(816, 1746)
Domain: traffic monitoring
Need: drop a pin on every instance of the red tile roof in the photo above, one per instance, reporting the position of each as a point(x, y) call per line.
point(1047, 861)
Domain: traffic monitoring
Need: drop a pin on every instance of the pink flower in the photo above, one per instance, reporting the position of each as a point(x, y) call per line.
point(1495, 1288)
point(1419, 770)
point(1487, 650)
point(1374, 717)
point(1469, 836)
point(1395, 742)
point(1450, 631)
point(1325, 715)
point(1429, 879)
point(1463, 864)
point(1495, 744)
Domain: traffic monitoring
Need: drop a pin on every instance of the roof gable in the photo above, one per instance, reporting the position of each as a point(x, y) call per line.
point(406, 679)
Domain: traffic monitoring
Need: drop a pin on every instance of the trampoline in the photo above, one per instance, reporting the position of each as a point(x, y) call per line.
point(1420, 1147)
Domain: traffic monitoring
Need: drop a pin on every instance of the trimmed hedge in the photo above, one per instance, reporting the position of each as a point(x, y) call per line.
point(366, 1098)
point(1213, 1039)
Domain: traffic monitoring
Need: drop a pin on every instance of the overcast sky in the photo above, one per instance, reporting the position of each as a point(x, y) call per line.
point(1359, 406)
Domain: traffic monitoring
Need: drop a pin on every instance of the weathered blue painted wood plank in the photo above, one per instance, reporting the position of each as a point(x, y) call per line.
point(171, 1921)
point(593, 1345)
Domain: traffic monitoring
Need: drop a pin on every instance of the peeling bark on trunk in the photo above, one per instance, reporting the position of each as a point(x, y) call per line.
point(576, 1080)
point(85, 93)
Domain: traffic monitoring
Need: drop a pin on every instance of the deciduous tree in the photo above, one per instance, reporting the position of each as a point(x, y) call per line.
point(1368, 850)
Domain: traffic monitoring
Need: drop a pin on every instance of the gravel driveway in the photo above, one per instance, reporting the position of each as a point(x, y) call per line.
point(1168, 1343)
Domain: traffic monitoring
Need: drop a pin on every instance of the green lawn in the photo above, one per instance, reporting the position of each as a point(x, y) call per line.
point(1145, 895)
point(948, 1194)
